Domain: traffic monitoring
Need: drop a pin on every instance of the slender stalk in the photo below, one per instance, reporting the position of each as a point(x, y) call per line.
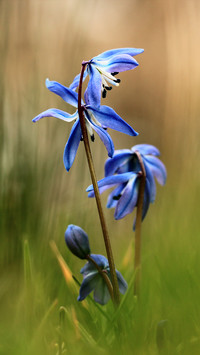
point(137, 257)
point(104, 275)
point(96, 192)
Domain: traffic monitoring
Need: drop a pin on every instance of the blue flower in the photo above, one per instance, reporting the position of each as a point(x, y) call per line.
point(93, 280)
point(124, 172)
point(96, 119)
point(103, 69)
point(77, 241)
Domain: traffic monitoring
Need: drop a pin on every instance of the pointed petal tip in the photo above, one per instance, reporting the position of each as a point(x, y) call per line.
point(66, 165)
point(133, 133)
point(47, 81)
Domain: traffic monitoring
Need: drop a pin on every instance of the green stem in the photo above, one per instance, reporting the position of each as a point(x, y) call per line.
point(96, 192)
point(104, 275)
point(137, 257)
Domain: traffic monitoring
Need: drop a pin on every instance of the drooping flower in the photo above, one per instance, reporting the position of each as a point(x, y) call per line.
point(124, 172)
point(96, 119)
point(126, 160)
point(103, 69)
point(93, 280)
point(77, 241)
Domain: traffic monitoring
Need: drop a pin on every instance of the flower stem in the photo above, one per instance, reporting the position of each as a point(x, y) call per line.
point(104, 275)
point(137, 257)
point(116, 296)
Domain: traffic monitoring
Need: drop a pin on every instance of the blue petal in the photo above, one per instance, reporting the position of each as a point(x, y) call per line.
point(88, 268)
point(88, 285)
point(111, 165)
point(157, 167)
point(68, 95)
point(117, 63)
point(72, 145)
point(128, 200)
point(107, 117)
point(113, 180)
point(101, 293)
point(121, 282)
point(145, 149)
point(101, 189)
point(100, 260)
point(53, 112)
point(105, 137)
point(76, 80)
point(93, 92)
point(131, 51)
point(114, 196)
point(150, 178)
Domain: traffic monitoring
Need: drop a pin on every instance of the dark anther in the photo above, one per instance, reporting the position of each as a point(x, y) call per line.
point(104, 93)
point(81, 138)
point(108, 88)
point(116, 198)
point(105, 128)
point(92, 137)
point(117, 81)
point(115, 73)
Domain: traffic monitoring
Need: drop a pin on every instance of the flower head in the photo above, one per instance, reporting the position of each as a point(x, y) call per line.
point(103, 69)
point(96, 119)
point(123, 172)
point(93, 280)
point(77, 241)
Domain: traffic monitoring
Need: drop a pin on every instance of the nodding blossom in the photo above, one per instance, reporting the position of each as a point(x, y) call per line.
point(102, 71)
point(123, 172)
point(97, 119)
point(93, 280)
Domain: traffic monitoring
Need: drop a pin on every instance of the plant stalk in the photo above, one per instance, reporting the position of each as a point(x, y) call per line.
point(138, 225)
point(116, 296)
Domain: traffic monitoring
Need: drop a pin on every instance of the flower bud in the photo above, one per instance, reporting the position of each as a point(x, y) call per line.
point(77, 241)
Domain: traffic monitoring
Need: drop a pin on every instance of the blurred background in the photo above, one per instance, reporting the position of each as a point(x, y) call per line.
point(42, 39)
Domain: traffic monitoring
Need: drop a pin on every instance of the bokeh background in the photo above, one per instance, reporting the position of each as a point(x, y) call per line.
point(160, 99)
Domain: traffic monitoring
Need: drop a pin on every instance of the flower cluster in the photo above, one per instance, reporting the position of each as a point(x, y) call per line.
point(124, 172)
point(102, 71)
point(78, 243)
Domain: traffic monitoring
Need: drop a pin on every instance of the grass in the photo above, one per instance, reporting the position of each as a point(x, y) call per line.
point(40, 314)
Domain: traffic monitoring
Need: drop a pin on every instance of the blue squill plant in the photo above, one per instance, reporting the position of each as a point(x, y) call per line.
point(90, 117)
point(132, 172)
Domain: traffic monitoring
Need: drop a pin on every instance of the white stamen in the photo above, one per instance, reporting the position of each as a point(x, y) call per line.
point(89, 127)
point(109, 77)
